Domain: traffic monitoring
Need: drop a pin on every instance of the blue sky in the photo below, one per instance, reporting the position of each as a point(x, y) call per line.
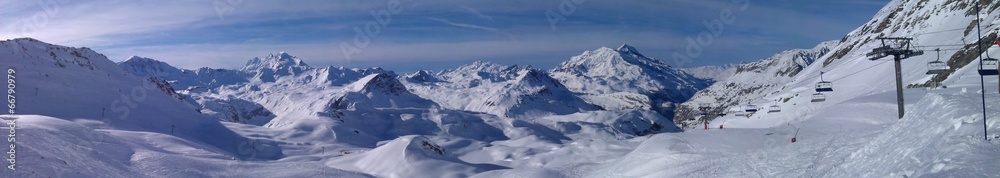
point(428, 34)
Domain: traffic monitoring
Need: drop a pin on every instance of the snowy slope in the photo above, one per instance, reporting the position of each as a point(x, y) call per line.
point(933, 24)
point(509, 91)
point(490, 120)
point(716, 73)
point(80, 85)
point(625, 79)
point(854, 133)
point(184, 82)
point(751, 81)
point(410, 156)
point(941, 137)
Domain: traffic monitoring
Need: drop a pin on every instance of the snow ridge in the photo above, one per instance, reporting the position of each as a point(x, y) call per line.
point(509, 91)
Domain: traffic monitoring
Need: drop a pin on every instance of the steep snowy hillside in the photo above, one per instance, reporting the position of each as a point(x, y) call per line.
point(933, 24)
point(855, 131)
point(67, 82)
point(510, 91)
point(623, 79)
point(941, 137)
point(82, 86)
point(751, 80)
point(715, 73)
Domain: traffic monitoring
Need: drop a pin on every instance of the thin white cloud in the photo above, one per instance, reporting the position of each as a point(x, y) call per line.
point(475, 12)
point(471, 26)
point(462, 24)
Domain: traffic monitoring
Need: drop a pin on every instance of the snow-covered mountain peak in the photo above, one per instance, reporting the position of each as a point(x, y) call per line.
point(481, 72)
point(628, 49)
point(624, 61)
point(481, 66)
point(140, 59)
point(275, 66)
point(148, 67)
point(536, 77)
point(68, 58)
point(421, 76)
point(378, 83)
point(283, 55)
point(275, 61)
point(625, 64)
point(610, 74)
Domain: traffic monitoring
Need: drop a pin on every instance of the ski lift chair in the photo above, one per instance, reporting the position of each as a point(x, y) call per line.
point(937, 67)
point(989, 67)
point(751, 108)
point(818, 97)
point(823, 85)
point(773, 109)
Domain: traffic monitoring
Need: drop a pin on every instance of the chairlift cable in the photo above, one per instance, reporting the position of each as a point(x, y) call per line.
point(876, 65)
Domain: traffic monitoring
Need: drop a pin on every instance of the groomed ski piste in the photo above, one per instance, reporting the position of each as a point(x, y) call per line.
point(854, 133)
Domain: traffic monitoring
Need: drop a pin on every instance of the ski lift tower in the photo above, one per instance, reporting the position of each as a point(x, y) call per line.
point(899, 52)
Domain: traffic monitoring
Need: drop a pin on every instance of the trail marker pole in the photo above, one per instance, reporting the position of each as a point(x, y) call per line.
point(796, 135)
point(982, 79)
